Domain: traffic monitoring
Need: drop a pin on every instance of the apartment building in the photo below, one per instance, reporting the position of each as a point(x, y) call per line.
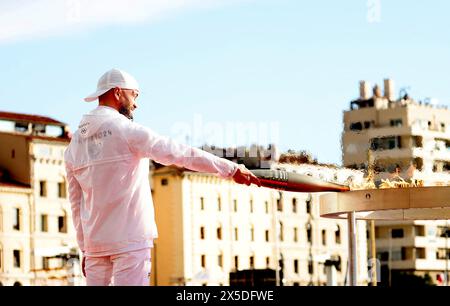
point(401, 136)
point(37, 238)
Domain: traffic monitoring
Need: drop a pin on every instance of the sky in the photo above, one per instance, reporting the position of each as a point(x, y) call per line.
point(224, 72)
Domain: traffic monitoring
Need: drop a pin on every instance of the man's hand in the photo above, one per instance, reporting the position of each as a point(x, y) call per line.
point(244, 176)
point(83, 266)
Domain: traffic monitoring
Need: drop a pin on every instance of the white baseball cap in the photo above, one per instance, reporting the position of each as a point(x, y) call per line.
point(112, 79)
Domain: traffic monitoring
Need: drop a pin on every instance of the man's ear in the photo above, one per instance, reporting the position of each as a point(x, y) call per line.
point(117, 93)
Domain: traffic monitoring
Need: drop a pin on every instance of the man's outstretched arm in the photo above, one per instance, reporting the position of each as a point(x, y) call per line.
point(145, 142)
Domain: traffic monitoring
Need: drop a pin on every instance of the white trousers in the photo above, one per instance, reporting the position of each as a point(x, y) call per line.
point(125, 269)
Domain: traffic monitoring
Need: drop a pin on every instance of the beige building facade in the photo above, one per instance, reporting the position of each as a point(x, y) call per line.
point(209, 227)
point(37, 238)
point(412, 139)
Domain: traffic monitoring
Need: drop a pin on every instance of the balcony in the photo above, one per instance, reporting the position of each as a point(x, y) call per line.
point(389, 131)
point(440, 154)
point(429, 132)
point(430, 264)
point(382, 131)
point(387, 242)
point(397, 153)
point(413, 241)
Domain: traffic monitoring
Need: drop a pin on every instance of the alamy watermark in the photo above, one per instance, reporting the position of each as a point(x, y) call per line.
point(73, 272)
point(238, 139)
point(373, 11)
point(374, 270)
point(73, 11)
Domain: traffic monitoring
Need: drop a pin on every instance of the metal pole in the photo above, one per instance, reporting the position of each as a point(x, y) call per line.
point(352, 248)
point(373, 253)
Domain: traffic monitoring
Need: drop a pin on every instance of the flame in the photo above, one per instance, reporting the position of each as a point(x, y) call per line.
point(396, 181)
point(399, 182)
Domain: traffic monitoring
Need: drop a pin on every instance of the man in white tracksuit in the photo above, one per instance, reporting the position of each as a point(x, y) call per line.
point(107, 165)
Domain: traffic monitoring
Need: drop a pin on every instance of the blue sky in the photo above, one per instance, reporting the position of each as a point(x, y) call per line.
point(292, 63)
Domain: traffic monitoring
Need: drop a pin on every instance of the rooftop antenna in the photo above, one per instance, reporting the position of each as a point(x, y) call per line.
point(404, 92)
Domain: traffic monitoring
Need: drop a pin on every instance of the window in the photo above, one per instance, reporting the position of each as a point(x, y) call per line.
point(252, 262)
point(203, 261)
point(1, 258)
point(43, 188)
point(385, 143)
point(396, 254)
point(324, 237)
point(442, 254)
point(202, 203)
point(420, 253)
point(202, 232)
point(281, 231)
point(267, 235)
point(418, 163)
point(251, 206)
point(309, 233)
point(419, 230)
point(21, 127)
point(236, 262)
point(404, 253)
point(279, 205)
point(337, 235)
point(397, 233)
point(443, 231)
point(308, 205)
point(38, 129)
point(236, 234)
point(13, 153)
point(383, 256)
point(294, 205)
point(396, 122)
point(45, 263)
point(310, 266)
point(417, 141)
point(235, 205)
point(164, 182)
point(219, 233)
point(295, 265)
point(220, 260)
point(369, 124)
point(62, 190)
point(295, 234)
point(267, 207)
point(219, 204)
point(252, 234)
point(356, 126)
point(44, 223)
point(16, 219)
point(268, 262)
point(62, 224)
point(17, 263)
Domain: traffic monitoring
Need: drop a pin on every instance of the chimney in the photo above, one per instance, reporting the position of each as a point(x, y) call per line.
point(364, 90)
point(389, 89)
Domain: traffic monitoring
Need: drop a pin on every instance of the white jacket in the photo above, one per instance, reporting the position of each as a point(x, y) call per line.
point(107, 165)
